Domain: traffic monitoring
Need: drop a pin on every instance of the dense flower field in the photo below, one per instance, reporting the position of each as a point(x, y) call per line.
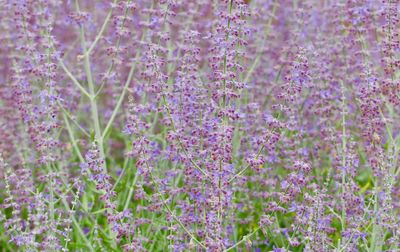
point(200, 125)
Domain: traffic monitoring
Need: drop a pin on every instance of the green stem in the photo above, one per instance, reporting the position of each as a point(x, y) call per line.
point(172, 214)
point(179, 140)
point(247, 167)
point(344, 150)
point(73, 140)
point(128, 199)
point(93, 103)
point(244, 239)
point(74, 80)
point(66, 113)
point(102, 29)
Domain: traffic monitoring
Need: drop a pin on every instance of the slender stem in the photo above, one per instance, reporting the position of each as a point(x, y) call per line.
point(51, 203)
point(126, 164)
point(344, 150)
point(179, 139)
point(244, 239)
point(110, 68)
point(247, 167)
point(93, 103)
point(75, 222)
point(128, 199)
point(102, 29)
point(66, 113)
point(125, 88)
point(120, 100)
point(172, 214)
point(260, 52)
point(225, 56)
point(74, 80)
point(73, 140)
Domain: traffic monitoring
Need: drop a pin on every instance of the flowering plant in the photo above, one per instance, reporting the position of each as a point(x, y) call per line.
point(171, 125)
